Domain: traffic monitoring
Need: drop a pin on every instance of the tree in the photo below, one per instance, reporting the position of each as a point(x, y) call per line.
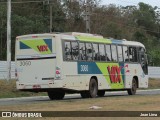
point(3, 29)
point(139, 23)
point(145, 17)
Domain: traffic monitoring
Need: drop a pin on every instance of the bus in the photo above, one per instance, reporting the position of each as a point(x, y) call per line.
point(60, 63)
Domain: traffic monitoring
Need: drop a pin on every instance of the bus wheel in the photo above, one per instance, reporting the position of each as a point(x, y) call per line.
point(56, 95)
point(132, 91)
point(101, 93)
point(93, 88)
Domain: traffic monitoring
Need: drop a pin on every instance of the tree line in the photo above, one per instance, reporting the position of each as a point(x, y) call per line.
point(136, 23)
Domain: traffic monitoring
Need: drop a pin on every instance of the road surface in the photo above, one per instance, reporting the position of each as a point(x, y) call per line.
point(27, 100)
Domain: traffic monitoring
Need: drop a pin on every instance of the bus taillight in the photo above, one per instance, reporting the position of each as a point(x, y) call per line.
point(35, 36)
point(58, 73)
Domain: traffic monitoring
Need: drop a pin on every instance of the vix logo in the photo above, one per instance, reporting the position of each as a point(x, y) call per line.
point(42, 48)
point(114, 73)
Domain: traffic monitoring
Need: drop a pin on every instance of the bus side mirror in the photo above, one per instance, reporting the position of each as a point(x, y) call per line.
point(150, 60)
point(146, 58)
point(141, 56)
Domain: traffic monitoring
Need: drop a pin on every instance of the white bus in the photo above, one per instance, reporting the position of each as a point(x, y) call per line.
point(79, 63)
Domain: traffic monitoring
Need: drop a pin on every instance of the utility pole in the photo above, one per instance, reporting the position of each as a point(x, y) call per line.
point(51, 17)
point(87, 16)
point(8, 40)
point(1, 39)
point(50, 4)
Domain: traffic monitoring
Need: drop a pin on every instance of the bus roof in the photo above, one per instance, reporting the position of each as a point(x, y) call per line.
point(86, 37)
point(99, 39)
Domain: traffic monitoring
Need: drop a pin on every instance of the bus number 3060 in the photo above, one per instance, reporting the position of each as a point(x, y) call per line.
point(84, 68)
point(25, 63)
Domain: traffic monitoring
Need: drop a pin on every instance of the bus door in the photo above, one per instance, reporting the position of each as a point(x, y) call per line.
point(143, 60)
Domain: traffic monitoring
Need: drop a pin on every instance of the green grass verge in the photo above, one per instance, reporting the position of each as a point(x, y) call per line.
point(154, 83)
point(8, 89)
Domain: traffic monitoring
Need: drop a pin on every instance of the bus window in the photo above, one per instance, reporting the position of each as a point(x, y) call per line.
point(133, 54)
point(82, 51)
point(125, 54)
point(114, 53)
point(102, 52)
point(89, 51)
point(108, 52)
point(95, 52)
point(130, 54)
point(67, 51)
point(75, 52)
point(120, 54)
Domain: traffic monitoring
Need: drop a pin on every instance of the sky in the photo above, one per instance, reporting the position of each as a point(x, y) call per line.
point(131, 2)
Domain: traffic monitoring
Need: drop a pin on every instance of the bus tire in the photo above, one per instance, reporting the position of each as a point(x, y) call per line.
point(132, 91)
point(93, 88)
point(101, 93)
point(56, 95)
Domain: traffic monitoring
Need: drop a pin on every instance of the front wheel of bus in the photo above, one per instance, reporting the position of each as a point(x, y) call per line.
point(132, 91)
point(56, 95)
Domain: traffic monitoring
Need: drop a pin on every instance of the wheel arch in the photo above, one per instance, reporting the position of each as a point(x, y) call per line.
point(137, 80)
point(94, 77)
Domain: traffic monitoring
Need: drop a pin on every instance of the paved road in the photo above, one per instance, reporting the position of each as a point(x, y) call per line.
point(26, 100)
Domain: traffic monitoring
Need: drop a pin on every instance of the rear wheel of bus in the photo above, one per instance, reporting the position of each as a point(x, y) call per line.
point(56, 95)
point(93, 89)
point(133, 89)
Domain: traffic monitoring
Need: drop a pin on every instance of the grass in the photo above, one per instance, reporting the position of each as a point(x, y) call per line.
point(111, 103)
point(8, 89)
point(154, 83)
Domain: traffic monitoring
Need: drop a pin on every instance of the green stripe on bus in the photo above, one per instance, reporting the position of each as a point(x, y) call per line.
point(34, 45)
point(93, 39)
